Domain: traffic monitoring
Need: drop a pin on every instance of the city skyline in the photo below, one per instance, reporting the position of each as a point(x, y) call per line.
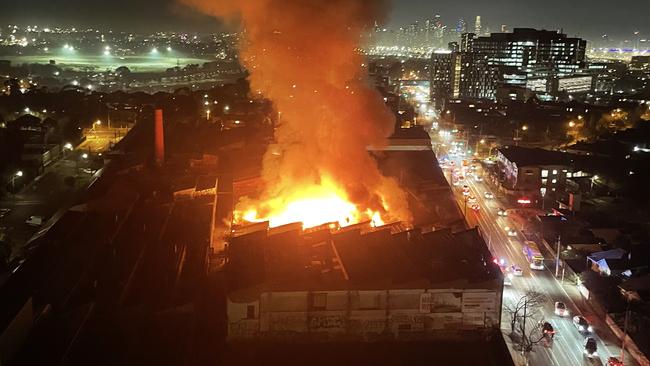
point(589, 19)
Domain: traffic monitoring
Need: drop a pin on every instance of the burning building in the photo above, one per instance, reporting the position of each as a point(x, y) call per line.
point(302, 55)
point(361, 283)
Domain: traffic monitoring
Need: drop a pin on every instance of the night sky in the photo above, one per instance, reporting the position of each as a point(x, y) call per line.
point(587, 18)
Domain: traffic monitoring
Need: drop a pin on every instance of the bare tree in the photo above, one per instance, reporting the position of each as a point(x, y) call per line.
point(526, 324)
point(527, 306)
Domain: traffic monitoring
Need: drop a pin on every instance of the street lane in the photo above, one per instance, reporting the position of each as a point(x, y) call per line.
point(567, 346)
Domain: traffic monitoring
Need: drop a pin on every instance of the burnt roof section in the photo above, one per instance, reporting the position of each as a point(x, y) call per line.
point(290, 259)
point(524, 156)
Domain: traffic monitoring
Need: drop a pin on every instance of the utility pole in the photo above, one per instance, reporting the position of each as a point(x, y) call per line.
point(557, 257)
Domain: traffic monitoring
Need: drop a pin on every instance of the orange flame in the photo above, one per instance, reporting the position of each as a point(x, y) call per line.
point(302, 55)
point(312, 206)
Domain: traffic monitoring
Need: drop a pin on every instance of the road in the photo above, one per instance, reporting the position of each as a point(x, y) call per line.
point(567, 346)
point(44, 196)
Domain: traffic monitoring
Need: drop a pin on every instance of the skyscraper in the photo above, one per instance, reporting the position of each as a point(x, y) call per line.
point(477, 26)
point(461, 26)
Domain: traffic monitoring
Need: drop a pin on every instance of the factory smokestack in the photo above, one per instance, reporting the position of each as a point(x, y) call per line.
point(159, 136)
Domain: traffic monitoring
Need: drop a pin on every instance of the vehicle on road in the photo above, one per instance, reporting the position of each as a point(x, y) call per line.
point(502, 212)
point(561, 309)
point(516, 270)
point(547, 329)
point(507, 279)
point(476, 207)
point(471, 199)
point(465, 190)
point(591, 348)
point(613, 361)
point(4, 212)
point(502, 264)
point(478, 178)
point(582, 324)
point(533, 255)
point(510, 231)
point(34, 221)
point(488, 195)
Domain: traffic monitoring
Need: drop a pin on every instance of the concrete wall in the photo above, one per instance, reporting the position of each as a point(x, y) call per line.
point(365, 315)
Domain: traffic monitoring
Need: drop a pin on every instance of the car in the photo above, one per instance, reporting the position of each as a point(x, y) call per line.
point(465, 190)
point(561, 309)
point(613, 361)
point(471, 199)
point(456, 183)
point(34, 221)
point(502, 212)
point(510, 231)
point(478, 178)
point(591, 348)
point(501, 263)
point(507, 279)
point(488, 195)
point(516, 270)
point(582, 324)
point(547, 329)
point(475, 207)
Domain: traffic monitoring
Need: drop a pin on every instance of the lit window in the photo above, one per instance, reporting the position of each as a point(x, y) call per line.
point(544, 173)
point(544, 181)
point(554, 181)
point(554, 172)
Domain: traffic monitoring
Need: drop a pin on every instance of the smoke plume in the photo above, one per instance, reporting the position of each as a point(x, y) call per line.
point(302, 54)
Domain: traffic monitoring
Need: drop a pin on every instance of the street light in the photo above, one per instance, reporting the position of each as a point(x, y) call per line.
point(572, 124)
point(524, 128)
point(84, 156)
point(18, 174)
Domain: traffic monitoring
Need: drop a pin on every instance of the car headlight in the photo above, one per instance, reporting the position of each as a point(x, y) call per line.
point(581, 328)
point(590, 329)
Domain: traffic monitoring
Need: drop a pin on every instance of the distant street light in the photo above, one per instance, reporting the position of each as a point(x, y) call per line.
point(572, 124)
point(84, 156)
point(18, 174)
point(524, 128)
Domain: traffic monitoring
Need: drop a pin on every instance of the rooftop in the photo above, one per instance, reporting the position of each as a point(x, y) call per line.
point(525, 156)
point(289, 259)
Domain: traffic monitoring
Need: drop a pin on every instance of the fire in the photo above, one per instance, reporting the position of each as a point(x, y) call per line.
point(302, 55)
point(312, 206)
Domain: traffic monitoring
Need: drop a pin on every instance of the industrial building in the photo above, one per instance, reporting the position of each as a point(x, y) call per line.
point(361, 283)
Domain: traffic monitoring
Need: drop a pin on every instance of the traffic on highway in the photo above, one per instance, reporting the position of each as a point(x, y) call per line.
point(569, 333)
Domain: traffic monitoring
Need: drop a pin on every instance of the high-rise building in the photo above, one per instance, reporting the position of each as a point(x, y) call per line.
point(527, 48)
point(461, 26)
point(467, 42)
point(477, 25)
point(442, 77)
point(504, 28)
point(462, 75)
